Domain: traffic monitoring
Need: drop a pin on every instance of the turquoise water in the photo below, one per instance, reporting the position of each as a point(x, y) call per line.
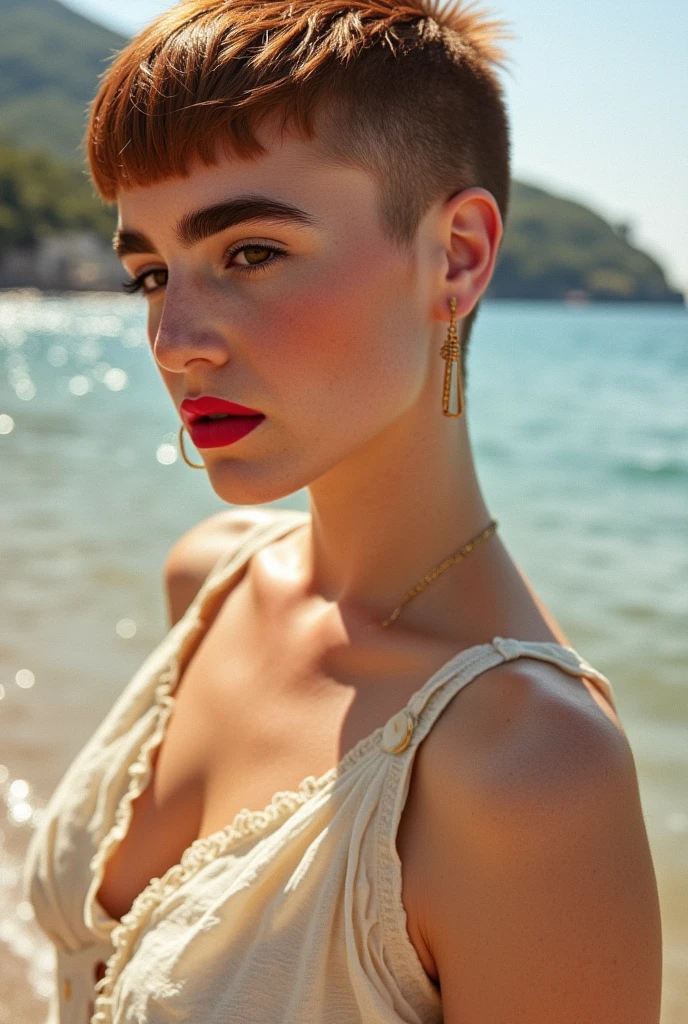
point(579, 419)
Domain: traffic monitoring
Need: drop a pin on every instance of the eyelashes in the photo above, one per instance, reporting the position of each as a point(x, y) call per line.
point(136, 284)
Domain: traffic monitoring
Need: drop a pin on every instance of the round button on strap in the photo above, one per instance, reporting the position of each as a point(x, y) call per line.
point(398, 731)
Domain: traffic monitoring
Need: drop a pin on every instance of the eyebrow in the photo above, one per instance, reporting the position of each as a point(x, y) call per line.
point(210, 220)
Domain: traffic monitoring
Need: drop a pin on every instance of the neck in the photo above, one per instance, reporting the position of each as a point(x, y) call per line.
point(375, 532)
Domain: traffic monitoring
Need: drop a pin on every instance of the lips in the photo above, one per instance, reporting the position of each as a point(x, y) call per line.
point(192, 409)
point(220, 433)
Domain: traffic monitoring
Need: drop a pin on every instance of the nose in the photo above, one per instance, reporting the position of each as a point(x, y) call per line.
point(182, 335)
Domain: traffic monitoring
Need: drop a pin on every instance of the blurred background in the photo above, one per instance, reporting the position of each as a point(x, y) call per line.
point(578, 406)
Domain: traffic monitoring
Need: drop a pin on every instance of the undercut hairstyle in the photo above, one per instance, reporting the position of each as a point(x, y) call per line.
point(407, 92)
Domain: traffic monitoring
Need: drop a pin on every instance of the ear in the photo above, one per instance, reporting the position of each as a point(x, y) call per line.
point(470, 231)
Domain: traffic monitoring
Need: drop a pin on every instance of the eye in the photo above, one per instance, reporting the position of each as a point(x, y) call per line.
point(137, 283)
point(250, 250)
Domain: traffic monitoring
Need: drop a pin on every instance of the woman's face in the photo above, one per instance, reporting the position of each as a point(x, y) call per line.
point(319, 323)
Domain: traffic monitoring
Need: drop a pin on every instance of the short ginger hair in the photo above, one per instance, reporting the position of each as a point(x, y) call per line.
point(403, 90)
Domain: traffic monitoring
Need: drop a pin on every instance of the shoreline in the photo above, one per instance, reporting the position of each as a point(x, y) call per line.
point(575, 299)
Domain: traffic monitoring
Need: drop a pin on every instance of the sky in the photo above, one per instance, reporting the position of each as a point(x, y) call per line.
point(597, 95)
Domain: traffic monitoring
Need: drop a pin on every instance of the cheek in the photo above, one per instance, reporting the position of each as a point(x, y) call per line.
point(350, 344)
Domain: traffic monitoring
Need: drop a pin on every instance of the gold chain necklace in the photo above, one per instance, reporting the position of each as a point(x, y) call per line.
point(439, 569)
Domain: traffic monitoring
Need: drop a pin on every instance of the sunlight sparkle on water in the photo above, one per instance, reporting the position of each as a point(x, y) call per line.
point(166, 454)
point(57, 355)
point(25, 678)
point(25, 389)
point(101, 326)
point(79, 385)
point(116, 379)
point(19, 789)
point(19, 809)
point(20, 812)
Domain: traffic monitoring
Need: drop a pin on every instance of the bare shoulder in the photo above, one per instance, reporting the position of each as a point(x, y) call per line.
point(539, 894)
point(525, 726)
point(193, 555)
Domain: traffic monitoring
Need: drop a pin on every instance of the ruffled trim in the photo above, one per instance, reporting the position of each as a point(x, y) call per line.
point(139, 772)
point(140, 769)
point(202, 851)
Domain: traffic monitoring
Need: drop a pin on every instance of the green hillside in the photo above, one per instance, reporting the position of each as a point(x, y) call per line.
point(40, 196)
point(553, 246)
point(50, 60)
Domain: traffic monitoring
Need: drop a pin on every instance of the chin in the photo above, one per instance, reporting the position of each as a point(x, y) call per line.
point(247, 483)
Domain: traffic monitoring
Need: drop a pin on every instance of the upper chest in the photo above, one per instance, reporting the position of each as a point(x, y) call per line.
point(256, 711)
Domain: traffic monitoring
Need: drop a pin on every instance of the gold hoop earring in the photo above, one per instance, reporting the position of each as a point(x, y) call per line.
point(450, 352)
point(181, 448)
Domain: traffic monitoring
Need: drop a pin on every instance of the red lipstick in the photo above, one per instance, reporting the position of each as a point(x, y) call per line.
point(237, 421)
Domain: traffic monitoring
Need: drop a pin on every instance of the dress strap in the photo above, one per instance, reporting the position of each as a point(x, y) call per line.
point(426, 705)
point(234, 559)
point(565, 657)
point(197, 619)
point(400, 739)
point(405, 730)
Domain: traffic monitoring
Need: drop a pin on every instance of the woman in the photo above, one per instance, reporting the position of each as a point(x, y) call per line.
point(290, 814)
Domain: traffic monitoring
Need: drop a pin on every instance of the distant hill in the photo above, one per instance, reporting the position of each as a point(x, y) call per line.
point(39, 196)
point(553, 246)
point(50, 60)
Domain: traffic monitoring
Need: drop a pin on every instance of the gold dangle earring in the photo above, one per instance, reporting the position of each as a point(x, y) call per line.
point(184, 456)
point(450, 352)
